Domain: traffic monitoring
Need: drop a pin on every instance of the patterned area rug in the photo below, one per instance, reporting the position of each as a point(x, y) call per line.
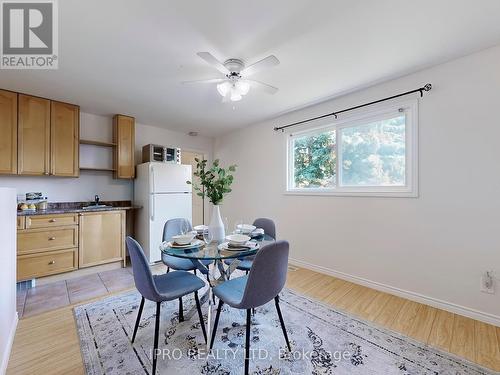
point(324, 341)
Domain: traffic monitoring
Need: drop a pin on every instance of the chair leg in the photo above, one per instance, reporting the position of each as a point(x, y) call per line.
point(157, 330)
point(200, 315)
point(181, 311)
point(168, 269)
point(138, 319)
point(216, 323)
point(277, 302)
point(194, 271)
point(247, 341)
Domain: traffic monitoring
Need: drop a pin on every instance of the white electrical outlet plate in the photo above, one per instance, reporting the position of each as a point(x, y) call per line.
point(484, 289)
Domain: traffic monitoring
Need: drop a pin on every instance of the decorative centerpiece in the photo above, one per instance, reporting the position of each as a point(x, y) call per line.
point(214, 183)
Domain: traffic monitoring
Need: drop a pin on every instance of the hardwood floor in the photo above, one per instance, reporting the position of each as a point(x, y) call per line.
point(48, 343)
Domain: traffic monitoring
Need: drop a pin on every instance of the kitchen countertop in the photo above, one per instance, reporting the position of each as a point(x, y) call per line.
point(76, 207)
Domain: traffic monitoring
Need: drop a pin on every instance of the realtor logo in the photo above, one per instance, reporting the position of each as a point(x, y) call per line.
point(29, 34)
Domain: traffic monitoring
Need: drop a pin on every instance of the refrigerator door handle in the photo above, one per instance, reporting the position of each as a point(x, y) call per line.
point(152, 180)
point(152, 206)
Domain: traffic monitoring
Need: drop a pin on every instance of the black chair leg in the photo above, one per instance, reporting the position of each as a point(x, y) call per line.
point(214, 331)
point(138, 319)
point(277, 302)
point(157, 330)
point(181, 311)
point(200, 315)
point(168, 269)
point(247, 341)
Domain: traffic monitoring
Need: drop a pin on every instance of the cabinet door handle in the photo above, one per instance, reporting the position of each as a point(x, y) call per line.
point(52, 220)
point(52, 262)
point(52, 238)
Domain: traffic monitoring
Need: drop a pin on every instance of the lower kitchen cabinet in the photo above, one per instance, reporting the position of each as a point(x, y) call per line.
point(46, 263)
point(102, 238)
point(56, 243)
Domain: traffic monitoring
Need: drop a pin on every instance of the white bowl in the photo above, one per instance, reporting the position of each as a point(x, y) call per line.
point(246, 228)
point(237, 239)
point(184, 239)
point(200, 228)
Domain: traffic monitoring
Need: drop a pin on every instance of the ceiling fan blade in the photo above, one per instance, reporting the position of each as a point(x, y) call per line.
point(212, 80)
point(211, 60)
point(263, 86)
point(267, 62)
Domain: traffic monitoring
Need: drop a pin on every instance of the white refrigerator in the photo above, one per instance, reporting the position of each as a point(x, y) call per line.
point(162, 192)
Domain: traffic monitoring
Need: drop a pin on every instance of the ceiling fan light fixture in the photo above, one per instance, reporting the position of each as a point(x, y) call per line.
point(243, 87)
point(223, 88)
point(235, 95)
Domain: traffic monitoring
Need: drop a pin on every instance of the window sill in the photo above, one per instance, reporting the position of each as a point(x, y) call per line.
point(356, 193)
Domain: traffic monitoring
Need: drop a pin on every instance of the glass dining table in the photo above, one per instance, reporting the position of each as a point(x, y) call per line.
point(224, 260)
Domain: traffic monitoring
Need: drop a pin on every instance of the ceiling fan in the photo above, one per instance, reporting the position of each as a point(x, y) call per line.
point(235, 84)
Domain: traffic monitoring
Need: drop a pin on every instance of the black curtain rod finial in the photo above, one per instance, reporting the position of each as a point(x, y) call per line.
point(428, 87)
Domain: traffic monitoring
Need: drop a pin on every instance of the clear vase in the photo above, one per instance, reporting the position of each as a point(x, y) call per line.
point(216, 226)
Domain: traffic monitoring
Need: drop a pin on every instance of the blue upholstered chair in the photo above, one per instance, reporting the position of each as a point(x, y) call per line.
point(172, 228)
point(265, 281)
point(159, 288)
point(269, 229)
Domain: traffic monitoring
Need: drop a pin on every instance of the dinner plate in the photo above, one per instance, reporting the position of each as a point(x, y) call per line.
point(195, 243)
point(225, 246)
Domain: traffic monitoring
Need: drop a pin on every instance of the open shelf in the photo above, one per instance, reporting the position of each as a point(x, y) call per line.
point(97, 169)
point(96, 143)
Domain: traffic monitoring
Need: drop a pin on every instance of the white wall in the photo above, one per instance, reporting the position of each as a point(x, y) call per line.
point(433, 248)
point(89, 183)
point(8, 315)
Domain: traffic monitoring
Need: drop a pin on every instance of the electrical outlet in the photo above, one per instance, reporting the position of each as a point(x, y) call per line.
point(488, 283)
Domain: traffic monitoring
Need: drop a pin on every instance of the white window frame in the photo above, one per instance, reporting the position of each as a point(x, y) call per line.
point(362, 117)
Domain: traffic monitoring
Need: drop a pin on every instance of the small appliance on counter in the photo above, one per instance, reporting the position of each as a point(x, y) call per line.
point(162, 154)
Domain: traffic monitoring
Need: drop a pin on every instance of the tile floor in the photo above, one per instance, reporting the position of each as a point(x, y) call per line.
point(51, 296)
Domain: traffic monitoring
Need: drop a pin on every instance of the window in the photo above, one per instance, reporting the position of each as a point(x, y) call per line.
point(373, 153)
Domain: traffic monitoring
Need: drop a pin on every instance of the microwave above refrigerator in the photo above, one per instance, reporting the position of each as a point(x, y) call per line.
point(151, 153)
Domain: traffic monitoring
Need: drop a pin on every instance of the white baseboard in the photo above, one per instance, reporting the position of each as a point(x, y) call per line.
point(434, 302)
point(8, 347)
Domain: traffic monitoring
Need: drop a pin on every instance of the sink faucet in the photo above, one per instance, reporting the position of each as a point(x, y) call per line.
point(96, 199)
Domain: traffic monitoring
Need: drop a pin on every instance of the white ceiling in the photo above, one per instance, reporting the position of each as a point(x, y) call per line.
point(129, 56)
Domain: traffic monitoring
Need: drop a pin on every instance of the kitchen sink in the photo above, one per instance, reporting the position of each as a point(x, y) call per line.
point(93, 206)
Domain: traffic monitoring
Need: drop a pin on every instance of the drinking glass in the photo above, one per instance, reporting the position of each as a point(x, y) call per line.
point(184, 227)
point(207, 236)
point(237, 225)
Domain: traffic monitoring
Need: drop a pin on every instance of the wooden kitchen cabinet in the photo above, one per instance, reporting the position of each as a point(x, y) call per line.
point(46, 239)
point(124, 138)
point(102, 238)
point(46, 263)
point(8, 132)
point(21, 222)
point(33, 135)
point(48, 221)
point(64, 139)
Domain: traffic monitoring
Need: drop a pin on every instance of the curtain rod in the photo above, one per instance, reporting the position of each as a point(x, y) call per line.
point(421, 90)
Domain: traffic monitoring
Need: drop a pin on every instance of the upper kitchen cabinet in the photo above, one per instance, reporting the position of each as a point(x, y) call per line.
point(124, 138)
point(8, 132)
point(64, 139)
point(48, 135)
point(33, 135)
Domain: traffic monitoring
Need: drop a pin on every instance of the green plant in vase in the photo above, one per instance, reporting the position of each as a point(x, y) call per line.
point(214, 183)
